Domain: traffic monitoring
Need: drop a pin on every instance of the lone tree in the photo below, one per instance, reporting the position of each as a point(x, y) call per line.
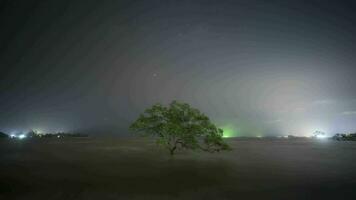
point(180, 126)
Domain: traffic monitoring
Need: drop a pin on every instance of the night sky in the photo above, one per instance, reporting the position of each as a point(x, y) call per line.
point(255, 67)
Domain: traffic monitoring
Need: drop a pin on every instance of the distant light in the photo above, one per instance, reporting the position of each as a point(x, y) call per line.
point(321, 136)
point(58, 136)
point(22, 136)
point(259, 136)
point(13, 136)
point(228, 131)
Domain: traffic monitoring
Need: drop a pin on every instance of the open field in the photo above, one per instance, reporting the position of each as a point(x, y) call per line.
point(134, 168)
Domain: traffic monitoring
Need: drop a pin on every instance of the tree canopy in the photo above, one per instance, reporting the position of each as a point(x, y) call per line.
point(3, 135)
point(179, 126)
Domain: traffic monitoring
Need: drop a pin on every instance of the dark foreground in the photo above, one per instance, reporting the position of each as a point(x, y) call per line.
point(88, 168)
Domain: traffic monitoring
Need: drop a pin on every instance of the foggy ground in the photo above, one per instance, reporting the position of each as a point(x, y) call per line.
point(122, 168)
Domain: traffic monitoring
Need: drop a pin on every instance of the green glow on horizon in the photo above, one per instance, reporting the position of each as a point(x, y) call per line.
point(229, 131)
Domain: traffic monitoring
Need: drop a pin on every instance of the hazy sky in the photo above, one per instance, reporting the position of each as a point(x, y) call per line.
point(256, 67)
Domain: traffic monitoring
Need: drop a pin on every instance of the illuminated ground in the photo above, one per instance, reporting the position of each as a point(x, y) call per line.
point(136, 169)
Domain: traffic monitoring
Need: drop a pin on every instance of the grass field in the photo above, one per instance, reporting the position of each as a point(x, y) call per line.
point(135, 168)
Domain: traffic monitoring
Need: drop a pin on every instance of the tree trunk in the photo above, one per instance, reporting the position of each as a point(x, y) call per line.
point(172, 150)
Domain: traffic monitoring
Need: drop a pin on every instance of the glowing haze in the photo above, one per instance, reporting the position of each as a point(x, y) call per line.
point(255, 67)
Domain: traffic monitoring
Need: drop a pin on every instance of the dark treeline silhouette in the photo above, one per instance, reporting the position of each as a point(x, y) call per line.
point(34, 134)
point(3, 135)
point(55, 135)
point(345, 137)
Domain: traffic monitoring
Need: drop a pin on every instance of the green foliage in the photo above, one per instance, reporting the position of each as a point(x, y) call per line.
point(180, 126)
point(345, 137)
point(3, 135)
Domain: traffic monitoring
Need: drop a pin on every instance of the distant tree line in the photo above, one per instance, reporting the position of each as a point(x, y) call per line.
point(345, 137)
point(35, 134)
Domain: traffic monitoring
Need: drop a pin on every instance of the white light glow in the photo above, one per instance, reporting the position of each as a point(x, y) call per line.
point(321, 136)
point(22, 136)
